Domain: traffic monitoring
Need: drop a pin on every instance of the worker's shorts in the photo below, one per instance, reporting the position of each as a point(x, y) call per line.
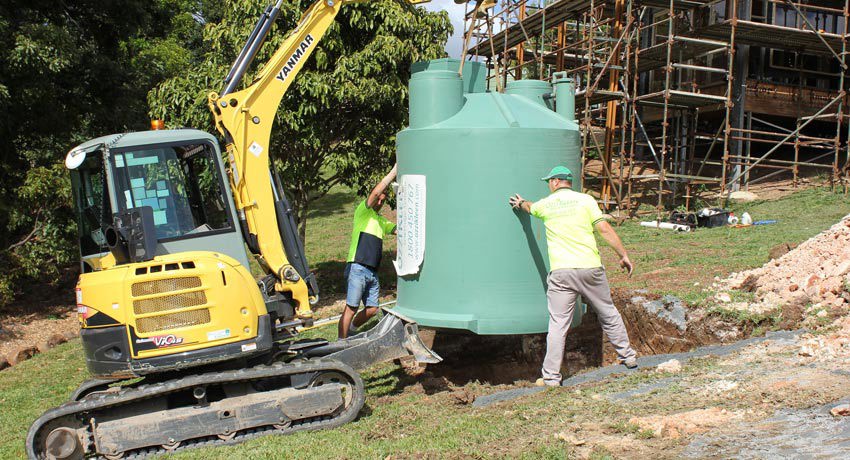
point(362, 285)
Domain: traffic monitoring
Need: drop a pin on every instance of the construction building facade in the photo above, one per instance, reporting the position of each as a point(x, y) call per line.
point(680, 99)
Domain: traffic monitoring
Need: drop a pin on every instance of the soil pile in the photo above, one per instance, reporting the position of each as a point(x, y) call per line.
point(811, 286)
point(815, 272)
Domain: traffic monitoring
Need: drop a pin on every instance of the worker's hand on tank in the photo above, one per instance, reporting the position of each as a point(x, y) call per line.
point(515, 201)
point(627, 264)
point(393, 172)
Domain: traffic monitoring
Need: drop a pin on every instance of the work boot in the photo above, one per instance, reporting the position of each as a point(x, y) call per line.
point(543, 383)
point(630, 363)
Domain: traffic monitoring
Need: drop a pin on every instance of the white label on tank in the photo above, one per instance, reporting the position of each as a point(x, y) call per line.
point(249, 347)
point(411, 224)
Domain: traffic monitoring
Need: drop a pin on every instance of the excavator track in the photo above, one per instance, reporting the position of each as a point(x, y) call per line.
point(283, 398)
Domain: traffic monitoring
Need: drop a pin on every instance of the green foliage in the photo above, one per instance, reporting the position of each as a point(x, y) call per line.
point(77, 70)
point(71, 71)
point(337, 122)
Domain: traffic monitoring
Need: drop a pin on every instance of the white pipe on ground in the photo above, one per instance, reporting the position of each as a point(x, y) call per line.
point(666, 225)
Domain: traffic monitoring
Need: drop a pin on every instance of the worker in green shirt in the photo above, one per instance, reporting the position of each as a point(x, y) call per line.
point(364, 258)
point(575, 268)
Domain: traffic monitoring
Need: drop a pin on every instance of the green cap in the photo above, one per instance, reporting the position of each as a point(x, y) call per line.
point(559, 172)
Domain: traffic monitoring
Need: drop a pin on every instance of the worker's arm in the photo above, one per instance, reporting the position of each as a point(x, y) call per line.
point(376, 192)
point(518, 202)
point(610, 236)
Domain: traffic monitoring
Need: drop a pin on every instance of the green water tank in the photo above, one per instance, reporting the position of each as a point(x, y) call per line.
point(482, 266)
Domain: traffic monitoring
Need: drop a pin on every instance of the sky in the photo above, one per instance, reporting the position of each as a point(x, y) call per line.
point(455, 44)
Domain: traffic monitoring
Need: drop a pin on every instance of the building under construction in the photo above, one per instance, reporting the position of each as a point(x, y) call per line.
point(677, 98)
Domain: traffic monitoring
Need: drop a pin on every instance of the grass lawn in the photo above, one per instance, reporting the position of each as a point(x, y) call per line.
point(669, 262)
point(399, 420)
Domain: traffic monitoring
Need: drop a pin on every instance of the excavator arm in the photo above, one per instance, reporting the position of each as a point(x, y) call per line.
point(245, 119)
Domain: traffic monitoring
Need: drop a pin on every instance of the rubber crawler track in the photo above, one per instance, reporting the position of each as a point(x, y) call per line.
point(101, 401)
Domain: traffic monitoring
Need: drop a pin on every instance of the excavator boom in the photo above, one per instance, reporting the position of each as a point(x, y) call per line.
point(245, 118)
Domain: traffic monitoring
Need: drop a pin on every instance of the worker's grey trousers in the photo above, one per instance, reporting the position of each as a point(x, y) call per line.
point(564, 286)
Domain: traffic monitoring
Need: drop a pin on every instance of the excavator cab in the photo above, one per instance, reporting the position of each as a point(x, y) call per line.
point(166, 280)
point(174, 179)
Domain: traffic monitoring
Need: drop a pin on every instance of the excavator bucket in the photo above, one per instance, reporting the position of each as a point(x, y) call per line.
point(395, 336)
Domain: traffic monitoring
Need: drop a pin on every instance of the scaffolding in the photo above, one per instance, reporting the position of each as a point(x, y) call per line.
point(667, 101)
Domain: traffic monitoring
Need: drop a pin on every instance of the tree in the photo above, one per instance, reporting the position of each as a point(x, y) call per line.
point(337, 122)
point(70, 71)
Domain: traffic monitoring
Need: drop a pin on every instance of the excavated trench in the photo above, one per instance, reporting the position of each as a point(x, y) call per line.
point(656, 325)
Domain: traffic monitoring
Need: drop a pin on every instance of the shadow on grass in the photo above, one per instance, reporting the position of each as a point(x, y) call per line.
point(334, 202)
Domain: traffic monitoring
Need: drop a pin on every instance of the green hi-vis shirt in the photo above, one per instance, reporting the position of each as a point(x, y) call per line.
point(569, 218)
point(367, 236)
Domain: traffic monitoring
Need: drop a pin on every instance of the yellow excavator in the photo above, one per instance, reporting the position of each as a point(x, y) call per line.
point(187, 347)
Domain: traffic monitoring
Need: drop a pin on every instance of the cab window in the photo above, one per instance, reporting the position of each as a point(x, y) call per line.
point(180, 183)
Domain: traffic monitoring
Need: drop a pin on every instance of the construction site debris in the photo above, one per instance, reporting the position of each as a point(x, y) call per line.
point(24, 337)
point(683, 218)
point(780, 250)
point(833, 346)
point(666, 226)
point(668, 308)
point(717, 387)
point(672, 366)
point(685, 423)
point(666, 324)
point(570, 438)
point(52, 341)
point(841, 410)
point(817, 272)
point(714, 217)
point(743, 197)
point(22, 354)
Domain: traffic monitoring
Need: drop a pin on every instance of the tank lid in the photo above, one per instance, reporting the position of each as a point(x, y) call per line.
point(474, 73)
point(561, 77)
point(536, 91)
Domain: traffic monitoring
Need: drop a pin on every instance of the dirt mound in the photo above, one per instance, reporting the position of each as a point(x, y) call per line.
point(817, 272)
point(811, 286)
